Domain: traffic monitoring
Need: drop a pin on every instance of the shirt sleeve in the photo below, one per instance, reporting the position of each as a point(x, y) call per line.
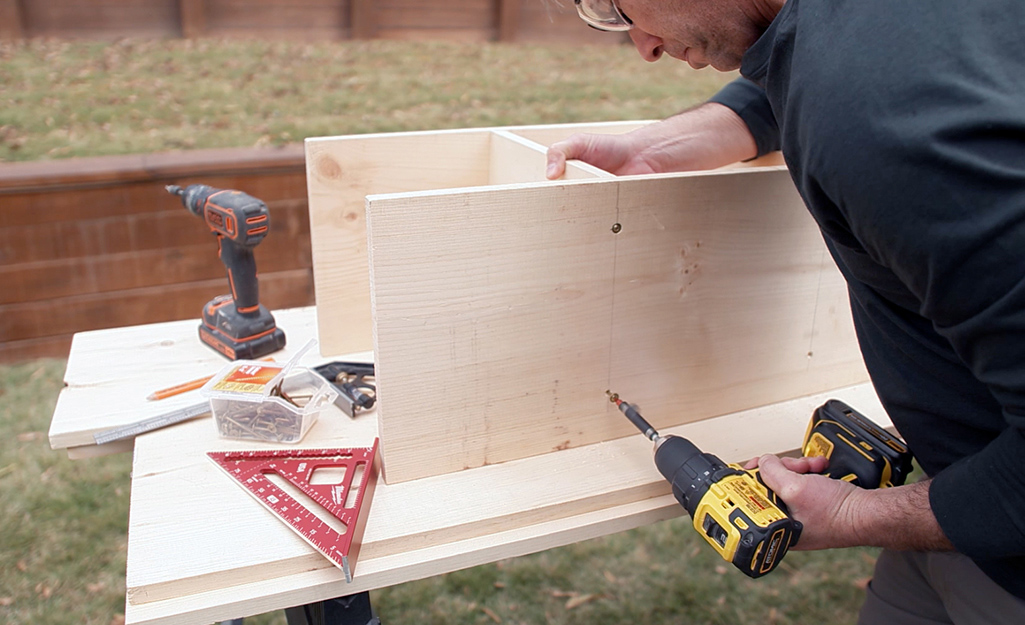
point(748, 100)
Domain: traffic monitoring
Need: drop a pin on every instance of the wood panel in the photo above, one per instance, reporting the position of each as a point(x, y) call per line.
point(193, 18)
point(221, 554)
point(342, 171)
point(59, 316)
point(64, 18)
point(318, 19)
point(523, 305)
point(11, 26)
point(463, 20)
point(56, 346)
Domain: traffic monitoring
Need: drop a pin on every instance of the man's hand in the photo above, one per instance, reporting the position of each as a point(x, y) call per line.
point(706, 137)
point(837, 514)
point(822, 504)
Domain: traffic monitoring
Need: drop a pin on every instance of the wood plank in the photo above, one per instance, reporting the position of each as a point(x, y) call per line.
point(110, 372)
point(342, 171)
point(193, 18)
point(515, 159)
point(56, 346)
point(32, 282)
point(477, 15)
point(28, 320)
point(173, 229)
point(363, 19)
point(11, 25)
point(509, 19)
point(70, 17)
point(82, 173)
point(268, 16)
point(524, 306)
point(418, 528)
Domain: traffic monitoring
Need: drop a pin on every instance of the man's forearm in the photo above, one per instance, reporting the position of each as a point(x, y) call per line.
point(898, 518)
point(707, 136)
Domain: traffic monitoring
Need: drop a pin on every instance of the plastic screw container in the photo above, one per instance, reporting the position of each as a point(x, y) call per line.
point(253, 400)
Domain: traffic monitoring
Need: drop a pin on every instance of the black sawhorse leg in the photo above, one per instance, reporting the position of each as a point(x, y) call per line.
point(350, 610)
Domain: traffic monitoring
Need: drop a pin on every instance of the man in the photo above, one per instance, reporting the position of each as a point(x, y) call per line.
point(903, 125)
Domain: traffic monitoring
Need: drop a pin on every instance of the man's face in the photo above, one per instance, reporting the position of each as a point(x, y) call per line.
point(700, 32)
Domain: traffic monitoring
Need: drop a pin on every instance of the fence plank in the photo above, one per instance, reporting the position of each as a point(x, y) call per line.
point(364, 19)
point(193, 18)
point(11, 26)
point(508, 19)
point(56, 317)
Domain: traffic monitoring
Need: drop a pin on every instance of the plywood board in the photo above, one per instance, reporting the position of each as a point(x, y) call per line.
point(521, 304)
point(342, 171)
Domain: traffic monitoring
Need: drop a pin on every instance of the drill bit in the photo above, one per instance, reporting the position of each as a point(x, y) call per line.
point(634, 416)
point(175, 189)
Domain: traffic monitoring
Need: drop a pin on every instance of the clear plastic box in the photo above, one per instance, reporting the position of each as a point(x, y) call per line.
point(256, 400)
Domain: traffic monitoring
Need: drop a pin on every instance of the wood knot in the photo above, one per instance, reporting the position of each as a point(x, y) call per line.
point(328, 167)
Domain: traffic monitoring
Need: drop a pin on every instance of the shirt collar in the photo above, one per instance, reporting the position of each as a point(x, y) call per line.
point(755, 63)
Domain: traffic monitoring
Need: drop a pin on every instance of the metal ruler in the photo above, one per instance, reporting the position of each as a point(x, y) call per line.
point(152, 423)
point(346, 498)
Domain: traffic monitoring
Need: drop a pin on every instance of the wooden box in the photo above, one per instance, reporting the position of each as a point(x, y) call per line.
point(501, 306)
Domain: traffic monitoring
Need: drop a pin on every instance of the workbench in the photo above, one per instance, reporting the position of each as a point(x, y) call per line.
point(201, 550)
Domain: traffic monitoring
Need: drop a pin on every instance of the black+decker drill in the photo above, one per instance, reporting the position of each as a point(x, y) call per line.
point(235, 325)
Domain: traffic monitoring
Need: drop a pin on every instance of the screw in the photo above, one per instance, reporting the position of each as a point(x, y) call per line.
point(616, 228)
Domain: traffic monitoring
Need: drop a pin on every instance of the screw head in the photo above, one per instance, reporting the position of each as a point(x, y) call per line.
point(616, 228)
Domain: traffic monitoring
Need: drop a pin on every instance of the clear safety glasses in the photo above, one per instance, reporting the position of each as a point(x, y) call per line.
point(603, 15)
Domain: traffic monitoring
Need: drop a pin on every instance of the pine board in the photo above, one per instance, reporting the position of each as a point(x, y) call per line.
point(219, 553)
point(110, 373)
point(342, 171)
point(521, 305)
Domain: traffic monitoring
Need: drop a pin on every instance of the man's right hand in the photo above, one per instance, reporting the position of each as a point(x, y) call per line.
point(706, 137)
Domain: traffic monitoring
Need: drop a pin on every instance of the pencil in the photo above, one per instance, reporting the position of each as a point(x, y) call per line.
point(184, 387)
point(178, 389)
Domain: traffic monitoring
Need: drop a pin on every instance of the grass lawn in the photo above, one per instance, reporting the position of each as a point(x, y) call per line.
point(62, 551)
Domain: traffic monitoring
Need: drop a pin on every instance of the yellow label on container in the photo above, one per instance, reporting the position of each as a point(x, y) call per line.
point(247, 378)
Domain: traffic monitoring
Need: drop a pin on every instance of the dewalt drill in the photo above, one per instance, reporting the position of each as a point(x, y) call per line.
point(859, 451)
point(731, 507)
point(235, 325)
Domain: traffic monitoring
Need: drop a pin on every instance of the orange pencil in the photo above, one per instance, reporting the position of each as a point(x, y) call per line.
point(178, 389)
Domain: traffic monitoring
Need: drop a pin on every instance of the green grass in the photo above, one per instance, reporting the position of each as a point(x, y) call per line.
point(60, 99)
point(62, 551)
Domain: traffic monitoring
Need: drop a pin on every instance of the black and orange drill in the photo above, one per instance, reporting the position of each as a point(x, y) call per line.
point(236, 325)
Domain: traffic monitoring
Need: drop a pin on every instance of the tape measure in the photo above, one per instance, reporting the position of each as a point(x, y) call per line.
point(152, 423)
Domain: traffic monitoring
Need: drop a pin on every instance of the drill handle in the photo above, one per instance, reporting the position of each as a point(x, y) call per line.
point(241, 266)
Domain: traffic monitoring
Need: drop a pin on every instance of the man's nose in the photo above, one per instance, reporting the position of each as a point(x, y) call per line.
point(649, 46)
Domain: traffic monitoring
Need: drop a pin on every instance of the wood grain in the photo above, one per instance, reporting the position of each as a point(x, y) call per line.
point(522, 306)
point(342, 171)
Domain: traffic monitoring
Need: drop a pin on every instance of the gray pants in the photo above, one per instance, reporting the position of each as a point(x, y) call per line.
point(910, 588)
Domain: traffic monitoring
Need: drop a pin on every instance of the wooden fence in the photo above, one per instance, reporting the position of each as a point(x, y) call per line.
point(98, 243)
point(470, 20)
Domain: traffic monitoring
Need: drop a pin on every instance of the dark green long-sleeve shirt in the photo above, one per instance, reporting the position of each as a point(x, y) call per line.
point(903, 124)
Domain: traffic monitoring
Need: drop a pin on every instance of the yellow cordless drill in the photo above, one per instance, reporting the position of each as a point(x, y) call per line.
point(733, 509)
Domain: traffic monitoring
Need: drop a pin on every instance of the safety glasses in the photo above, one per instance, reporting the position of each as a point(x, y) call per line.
point(603, 15)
